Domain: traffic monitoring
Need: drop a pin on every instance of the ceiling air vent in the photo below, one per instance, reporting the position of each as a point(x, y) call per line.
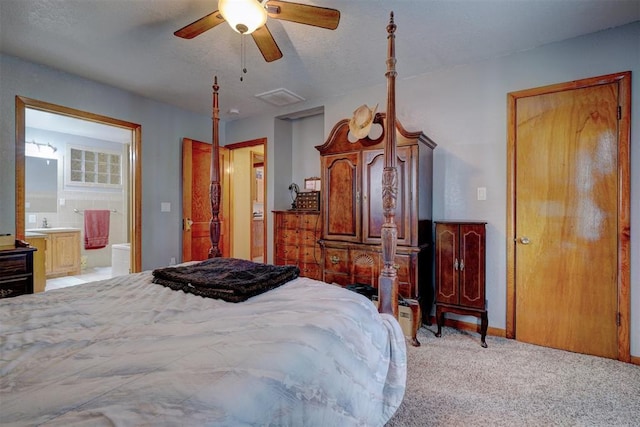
point(279, 97)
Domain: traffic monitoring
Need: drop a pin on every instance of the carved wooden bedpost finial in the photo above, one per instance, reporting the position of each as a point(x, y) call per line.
point(215, 187)
point(388, 280)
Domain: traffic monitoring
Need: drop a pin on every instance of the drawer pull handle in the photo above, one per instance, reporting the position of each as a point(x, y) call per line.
point(6, 292)
point(335, 259)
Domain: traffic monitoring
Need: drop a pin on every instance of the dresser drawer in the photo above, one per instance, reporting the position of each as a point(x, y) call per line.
point(309, 255)
point(288, 237)
point(340, 279)
point(287, 252)
point(12, 287)
point(287, 221)
point(14, 264)
point(307, 237)
point(311, 271)
point(336, 260)
point(309, 222)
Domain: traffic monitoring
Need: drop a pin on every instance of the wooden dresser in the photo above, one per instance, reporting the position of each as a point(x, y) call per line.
point(296, 235)
point(353, 211)
point(16, 271)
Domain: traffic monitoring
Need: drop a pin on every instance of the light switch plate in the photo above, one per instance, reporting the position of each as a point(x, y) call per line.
point(165, 207)
point(482, 193)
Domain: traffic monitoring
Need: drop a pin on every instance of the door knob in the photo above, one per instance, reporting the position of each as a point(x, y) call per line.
point(525, 240)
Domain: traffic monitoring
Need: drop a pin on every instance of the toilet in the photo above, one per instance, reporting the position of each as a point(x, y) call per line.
point(120, 259)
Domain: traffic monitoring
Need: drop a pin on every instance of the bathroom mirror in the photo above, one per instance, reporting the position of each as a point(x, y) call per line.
point(41, 184)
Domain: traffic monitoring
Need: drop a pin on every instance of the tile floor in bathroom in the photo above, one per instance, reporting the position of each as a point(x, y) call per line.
point(88, 275)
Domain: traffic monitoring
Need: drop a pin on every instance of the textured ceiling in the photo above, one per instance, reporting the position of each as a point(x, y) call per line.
point(130, 43)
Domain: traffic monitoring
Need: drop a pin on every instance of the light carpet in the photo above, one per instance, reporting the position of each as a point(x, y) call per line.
point(452, 381)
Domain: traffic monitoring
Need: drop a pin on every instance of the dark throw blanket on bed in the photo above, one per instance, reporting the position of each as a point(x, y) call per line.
point(229, 279)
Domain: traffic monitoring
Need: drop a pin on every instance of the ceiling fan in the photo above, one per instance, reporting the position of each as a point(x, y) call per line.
point(250, 17)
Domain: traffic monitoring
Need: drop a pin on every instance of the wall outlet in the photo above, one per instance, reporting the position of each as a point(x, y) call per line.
point(172, 261)
point(32, 219)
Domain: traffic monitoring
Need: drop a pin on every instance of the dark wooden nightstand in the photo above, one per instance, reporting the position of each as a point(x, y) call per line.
point(16, 271)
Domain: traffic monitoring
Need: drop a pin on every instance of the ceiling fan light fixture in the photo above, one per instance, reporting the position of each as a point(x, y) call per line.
point(244, 16)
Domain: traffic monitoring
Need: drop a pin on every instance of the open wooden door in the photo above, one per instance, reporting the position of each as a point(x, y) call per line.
point(196, 209)
point(568, 249)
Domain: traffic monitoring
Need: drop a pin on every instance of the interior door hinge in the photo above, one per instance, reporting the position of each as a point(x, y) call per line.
point(619, 112)
point(618, 319)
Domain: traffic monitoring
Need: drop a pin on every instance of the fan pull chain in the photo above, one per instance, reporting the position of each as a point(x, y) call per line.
point(243, 57)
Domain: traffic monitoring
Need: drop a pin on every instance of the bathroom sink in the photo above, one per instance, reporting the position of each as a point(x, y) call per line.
point(51, 230)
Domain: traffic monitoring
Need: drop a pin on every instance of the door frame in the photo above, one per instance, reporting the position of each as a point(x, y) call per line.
point(135, 168)
point(187, 195)
point(244, 144)
point(624, 199)
point(254, 190)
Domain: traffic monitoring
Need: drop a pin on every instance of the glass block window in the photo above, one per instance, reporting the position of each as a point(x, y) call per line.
point(94, 168)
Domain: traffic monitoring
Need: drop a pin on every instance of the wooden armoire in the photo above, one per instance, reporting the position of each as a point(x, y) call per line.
point(352, 210)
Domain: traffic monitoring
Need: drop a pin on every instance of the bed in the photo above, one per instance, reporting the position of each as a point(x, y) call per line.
point(127, 351)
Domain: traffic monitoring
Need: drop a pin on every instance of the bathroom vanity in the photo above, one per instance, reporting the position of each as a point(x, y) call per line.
point(62, 250)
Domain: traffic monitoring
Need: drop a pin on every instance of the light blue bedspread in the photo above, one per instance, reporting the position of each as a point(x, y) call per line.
point(127, 352)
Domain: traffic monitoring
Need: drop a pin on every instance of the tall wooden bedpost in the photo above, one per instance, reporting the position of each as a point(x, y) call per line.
point(215, 187)
point(388, 280)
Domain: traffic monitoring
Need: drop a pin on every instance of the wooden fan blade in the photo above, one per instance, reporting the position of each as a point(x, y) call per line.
point(266, 43)
point(200, 26)
point(304, 14)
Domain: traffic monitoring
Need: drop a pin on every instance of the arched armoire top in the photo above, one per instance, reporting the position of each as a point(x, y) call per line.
point(338, 141)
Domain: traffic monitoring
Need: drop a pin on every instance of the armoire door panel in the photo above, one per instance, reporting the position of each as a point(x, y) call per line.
point(373, 213)
point(471, 266)
point(342, 185)
point(446, 262)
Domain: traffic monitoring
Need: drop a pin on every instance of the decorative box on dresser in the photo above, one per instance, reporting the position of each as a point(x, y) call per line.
point(296, 235)
point(16, 271)
point(353, 211)
point(460, 271)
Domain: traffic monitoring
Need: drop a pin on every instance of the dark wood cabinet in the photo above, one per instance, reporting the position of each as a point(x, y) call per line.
point(353, 212)
point(16, 271)
point(296, 241)
point(460, 271)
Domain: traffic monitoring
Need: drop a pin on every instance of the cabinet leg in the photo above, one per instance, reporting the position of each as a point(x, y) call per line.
point(440, 322)
point(484, 323)
point(416, 320)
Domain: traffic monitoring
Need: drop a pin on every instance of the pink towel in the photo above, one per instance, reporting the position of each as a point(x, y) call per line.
point(96, 229)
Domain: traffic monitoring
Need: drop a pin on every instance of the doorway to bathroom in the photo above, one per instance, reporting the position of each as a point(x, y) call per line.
point(95, 162)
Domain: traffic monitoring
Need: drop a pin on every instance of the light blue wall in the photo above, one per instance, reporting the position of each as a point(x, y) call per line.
point(463, 109)
point(307, 133)
point(163, 128)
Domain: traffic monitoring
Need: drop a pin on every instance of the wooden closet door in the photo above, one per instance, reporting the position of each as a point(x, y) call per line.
point(342, 184)
point(372, 212)
point(566, 213)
